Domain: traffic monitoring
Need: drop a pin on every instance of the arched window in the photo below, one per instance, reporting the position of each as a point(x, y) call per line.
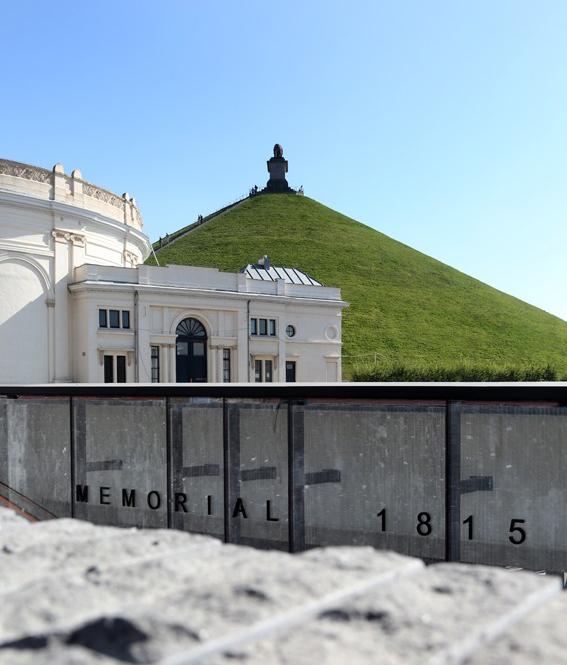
point(190, 328)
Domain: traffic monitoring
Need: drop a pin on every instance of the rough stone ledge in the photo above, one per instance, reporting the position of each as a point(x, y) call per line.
point(72, 592)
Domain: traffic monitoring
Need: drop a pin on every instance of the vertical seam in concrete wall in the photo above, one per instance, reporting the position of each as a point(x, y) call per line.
point(169, 461)
point(453, 481)
point(296, 471)
point(232, 471)
point(79, 450)
point(231, 464)
point(72, 454)
point(176, 434)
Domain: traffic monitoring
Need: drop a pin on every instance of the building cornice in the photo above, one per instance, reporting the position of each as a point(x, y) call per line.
point(112, 287)
point(82, 214)
point(25, 248)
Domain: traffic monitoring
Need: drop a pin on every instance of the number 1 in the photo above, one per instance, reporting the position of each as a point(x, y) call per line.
point(382, 514)
point(469, 521)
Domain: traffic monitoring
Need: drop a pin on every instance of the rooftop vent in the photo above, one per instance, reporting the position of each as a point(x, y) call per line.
point(264, 261)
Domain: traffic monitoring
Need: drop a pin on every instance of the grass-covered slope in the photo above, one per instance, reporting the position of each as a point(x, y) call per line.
point(404, 305)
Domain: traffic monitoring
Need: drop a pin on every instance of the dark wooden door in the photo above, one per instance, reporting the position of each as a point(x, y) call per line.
point(191, 361)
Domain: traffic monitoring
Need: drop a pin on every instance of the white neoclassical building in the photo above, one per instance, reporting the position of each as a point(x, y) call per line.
point(77, 304)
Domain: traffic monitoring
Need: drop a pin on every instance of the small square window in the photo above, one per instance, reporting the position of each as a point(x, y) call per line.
point(114, 316)
point(125, 318)
point(272, 323)
point(263, 326)
point(253, 326)
point(102, 322)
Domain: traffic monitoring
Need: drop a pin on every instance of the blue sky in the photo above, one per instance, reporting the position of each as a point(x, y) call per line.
point(442, 124)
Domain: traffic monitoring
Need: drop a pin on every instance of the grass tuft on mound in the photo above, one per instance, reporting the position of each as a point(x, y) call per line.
point(403, 373)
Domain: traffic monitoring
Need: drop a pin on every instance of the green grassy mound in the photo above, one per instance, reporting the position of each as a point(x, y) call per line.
point(405, 307)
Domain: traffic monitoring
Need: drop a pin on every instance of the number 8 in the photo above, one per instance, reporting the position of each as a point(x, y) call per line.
point(424, 524)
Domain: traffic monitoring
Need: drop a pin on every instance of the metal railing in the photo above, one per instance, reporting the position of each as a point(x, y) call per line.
point(171, 237)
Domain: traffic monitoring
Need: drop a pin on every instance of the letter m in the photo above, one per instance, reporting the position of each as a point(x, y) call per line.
point(82, 493)
point(129, 498)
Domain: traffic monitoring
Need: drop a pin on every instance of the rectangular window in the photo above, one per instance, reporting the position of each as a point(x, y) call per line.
point(263, 371)
point(125, 318)
point(155, 364)
point(102, 322)
point(253, 326)
point(114, 316)
point(290, 371)
point(226, 365)
point(263, 327)
point(109, 369)
point(272, 327)
point(120, 369)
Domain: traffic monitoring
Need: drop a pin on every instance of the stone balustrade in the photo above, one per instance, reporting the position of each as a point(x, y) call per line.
point(57, 186)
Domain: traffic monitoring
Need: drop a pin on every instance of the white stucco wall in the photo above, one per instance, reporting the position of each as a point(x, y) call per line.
point(24, 322)
point(49, 225)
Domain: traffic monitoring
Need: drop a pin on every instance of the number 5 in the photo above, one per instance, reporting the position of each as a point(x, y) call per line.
point(518, 529)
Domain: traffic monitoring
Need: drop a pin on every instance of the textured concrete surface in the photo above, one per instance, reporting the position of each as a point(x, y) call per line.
point(72, 592)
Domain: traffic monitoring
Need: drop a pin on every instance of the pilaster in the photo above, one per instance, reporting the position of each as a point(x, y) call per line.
point(280, 373)
point(143, 361)
point(50, 304)
point(61, 306)
point(172, 378)
point(243, 360)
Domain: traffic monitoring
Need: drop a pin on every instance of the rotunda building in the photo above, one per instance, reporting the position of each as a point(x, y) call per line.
point(51, 223)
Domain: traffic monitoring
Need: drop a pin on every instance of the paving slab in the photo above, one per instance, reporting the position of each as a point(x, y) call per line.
point(75, 593)
point(540, 638)
point(427, 618)
point(187, 590)
point(73, 548)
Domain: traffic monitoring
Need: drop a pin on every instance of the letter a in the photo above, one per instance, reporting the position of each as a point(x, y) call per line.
point(239, 509)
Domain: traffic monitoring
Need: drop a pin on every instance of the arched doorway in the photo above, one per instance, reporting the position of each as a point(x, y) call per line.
point(191, 352)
